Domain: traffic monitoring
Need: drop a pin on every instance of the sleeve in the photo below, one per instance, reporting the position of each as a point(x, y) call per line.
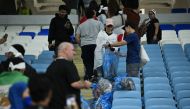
point(78, 30)
point(72, 74)
point(51, 31)
point(155, 21)
point(129, 38)
point(70, 31)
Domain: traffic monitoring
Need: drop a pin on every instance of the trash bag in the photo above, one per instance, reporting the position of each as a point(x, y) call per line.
point(123, 83)
point(84, 103)
point(104, 101)
point(110, 64)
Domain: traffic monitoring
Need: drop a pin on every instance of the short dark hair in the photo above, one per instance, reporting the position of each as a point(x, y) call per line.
point(89, 13)
point(39, 87)
point(131, 24)
point(64, 7)
point(19, 48)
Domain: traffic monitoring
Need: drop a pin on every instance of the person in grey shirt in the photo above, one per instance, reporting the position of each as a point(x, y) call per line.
point(86, 35)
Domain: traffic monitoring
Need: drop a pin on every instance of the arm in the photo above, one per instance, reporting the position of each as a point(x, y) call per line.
point(81, 85)
point(51, 32)
point(78, 38)
point(156, 25)
point(117, 44)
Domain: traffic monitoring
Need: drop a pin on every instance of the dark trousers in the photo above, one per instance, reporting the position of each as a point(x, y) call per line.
point(88, 60)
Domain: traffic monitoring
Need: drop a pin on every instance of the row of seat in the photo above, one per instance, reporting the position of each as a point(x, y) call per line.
point(180, 10)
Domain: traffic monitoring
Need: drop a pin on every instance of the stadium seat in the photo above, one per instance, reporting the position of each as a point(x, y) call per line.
point(126, 107)
point(156, 86)
point(160, 101)
point(152, 80)
point(184, 102)
point(179, 10)
point(167, 27)
point(127, 102)
point(44, 32)
point(32, 34)
point(182, 27)
point(182, 94)
point(127, 94)
point(161, 107)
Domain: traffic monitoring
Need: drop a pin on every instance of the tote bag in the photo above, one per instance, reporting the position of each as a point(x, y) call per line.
point(143, 56)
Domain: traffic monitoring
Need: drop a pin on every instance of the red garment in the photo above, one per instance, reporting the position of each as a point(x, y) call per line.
point(120, 37)
point(83, 19)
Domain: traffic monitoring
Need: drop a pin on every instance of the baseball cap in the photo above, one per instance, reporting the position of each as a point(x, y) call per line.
point(109, 22)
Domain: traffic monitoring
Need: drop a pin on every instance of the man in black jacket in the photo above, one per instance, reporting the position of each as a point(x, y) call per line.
point(61, 28)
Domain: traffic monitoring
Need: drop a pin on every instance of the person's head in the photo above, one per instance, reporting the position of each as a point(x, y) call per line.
point(89, 13)
point(109, 25)
point(15, 50)
point(113, 8)
point(16, 96)
point(94, 5)
point(129, 27)
point(66, 50)
point(17, 63)
point(152, 14)
point(40, 90)
point(132, 4)
point(63, 10)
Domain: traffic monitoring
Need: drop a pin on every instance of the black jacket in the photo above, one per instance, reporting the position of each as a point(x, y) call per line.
point(58, 31)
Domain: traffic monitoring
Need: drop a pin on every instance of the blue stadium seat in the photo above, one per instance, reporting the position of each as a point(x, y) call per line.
point(126, 107)
point(44, 32)
point(182, 94)
point(156, 86)
point(184, 102)
point(182, 27)
point(161, 107)
point(181, 86)
point(157, 94)
point(177, 80)
point(127, 94)
point(188, 10)
point(179, 10)
point(40, 68)
point(151, 80)
point(127, 102)
point(31, 34)
point(160, 101)
point(3, 57)
point(167, 27)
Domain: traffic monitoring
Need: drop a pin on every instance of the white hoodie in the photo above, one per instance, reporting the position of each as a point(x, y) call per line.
point(102, 38)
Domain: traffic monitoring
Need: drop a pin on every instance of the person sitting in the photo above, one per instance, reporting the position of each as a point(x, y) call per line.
point(17, 51)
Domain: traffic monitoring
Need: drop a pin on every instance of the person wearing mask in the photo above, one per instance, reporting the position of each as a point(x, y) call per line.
point(61, 28)
point(64, 77)
point(133, 49)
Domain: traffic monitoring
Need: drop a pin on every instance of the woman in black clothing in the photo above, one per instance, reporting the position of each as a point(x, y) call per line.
point(153, 32)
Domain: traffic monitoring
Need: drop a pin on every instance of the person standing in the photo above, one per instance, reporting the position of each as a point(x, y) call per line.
point(60, 28)
point(153, 32)
point(106, 57)
point(133, 49)
point(86, 35)
point(64, 77)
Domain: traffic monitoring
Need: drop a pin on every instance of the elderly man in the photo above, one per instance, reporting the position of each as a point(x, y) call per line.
point(64, 77)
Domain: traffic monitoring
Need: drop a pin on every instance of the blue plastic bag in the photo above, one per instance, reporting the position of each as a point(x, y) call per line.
point(110, 64)
point(104, 101)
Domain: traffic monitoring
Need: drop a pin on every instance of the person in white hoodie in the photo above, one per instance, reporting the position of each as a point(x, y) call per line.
point(105, 57)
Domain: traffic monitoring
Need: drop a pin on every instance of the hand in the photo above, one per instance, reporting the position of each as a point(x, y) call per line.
point(50, 45)
point(106, 45)
point(87, 84)
point(67, 25)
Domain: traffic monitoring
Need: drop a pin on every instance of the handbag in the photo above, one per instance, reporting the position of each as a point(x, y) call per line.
point(144, 58)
